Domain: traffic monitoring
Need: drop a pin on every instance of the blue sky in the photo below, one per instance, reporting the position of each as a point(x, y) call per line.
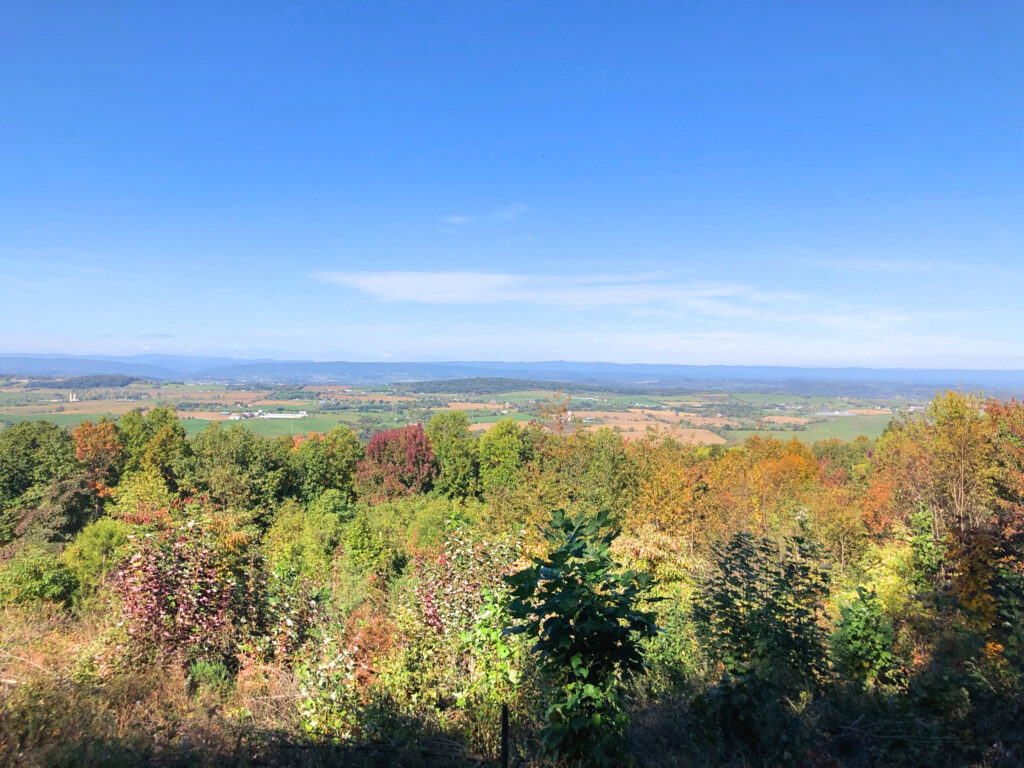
point(816, 183)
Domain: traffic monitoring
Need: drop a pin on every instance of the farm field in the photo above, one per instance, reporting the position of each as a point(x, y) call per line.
point(707, 418)
point(60, 419)
point(841, 427)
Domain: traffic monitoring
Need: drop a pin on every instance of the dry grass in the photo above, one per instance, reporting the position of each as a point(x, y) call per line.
point(339, 393)
point(65, 701)
point(634, 424)
point(784, 420)
point(198, 394)
point(694, 418)
point(117, 407)
point(682, 434)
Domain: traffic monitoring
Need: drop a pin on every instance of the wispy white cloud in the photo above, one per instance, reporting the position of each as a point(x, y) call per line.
point(731, 307)
point(427, 287)
point(630, 292)
point(503, 213)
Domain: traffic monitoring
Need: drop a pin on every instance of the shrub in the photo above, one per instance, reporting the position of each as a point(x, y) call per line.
point(745, 721)
point(373, 551)
point(447, 605)
point(927, 550)
point(329, 707)
point(331, 502)
point(582, 611)
point(300, 543)
point(211, 676)
point(95, 551)
point(36, 576)
point(761, 612)
point(863, 640)
point(180, 596)
point(423, 522)
point(673, 657)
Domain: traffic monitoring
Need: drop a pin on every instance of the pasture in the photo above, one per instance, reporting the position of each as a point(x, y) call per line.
point(842, 427)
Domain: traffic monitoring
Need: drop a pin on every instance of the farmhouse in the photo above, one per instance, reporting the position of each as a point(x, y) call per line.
point(265, 415)
point(299, 415)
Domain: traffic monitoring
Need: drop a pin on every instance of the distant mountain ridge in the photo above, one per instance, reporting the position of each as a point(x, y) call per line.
point(182, 367)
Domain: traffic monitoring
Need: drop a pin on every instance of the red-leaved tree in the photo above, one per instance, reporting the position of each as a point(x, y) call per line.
point(399, 462)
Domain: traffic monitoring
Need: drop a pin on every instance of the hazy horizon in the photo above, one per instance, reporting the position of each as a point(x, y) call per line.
point(241, 359)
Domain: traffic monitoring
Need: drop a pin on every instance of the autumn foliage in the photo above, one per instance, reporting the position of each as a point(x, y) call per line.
point(399, 462)
point(836, 604)
point(98, 447)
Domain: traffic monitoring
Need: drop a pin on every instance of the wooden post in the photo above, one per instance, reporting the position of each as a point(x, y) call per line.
point(504, 736)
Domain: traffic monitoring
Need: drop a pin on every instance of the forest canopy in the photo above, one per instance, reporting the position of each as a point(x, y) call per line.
point(230, 599)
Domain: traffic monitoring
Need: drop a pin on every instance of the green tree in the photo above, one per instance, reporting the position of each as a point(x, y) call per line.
point(501, 457)
point(142, 497)
point(964, 462)
point(43, 491)
point(456, 452)
point(67, 505)
point(155, 440)
point(235, 466)
point(582, 610)
point(586, 470)
point(32, 455)
point(327, 462)
point(944, 459)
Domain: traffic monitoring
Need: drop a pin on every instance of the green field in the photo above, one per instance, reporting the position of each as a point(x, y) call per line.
point(802, 401)
point(60, 419)
point(483, 417)
point(631, 401)
point(842, 427)
point(268, 427)
point(276, 427)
